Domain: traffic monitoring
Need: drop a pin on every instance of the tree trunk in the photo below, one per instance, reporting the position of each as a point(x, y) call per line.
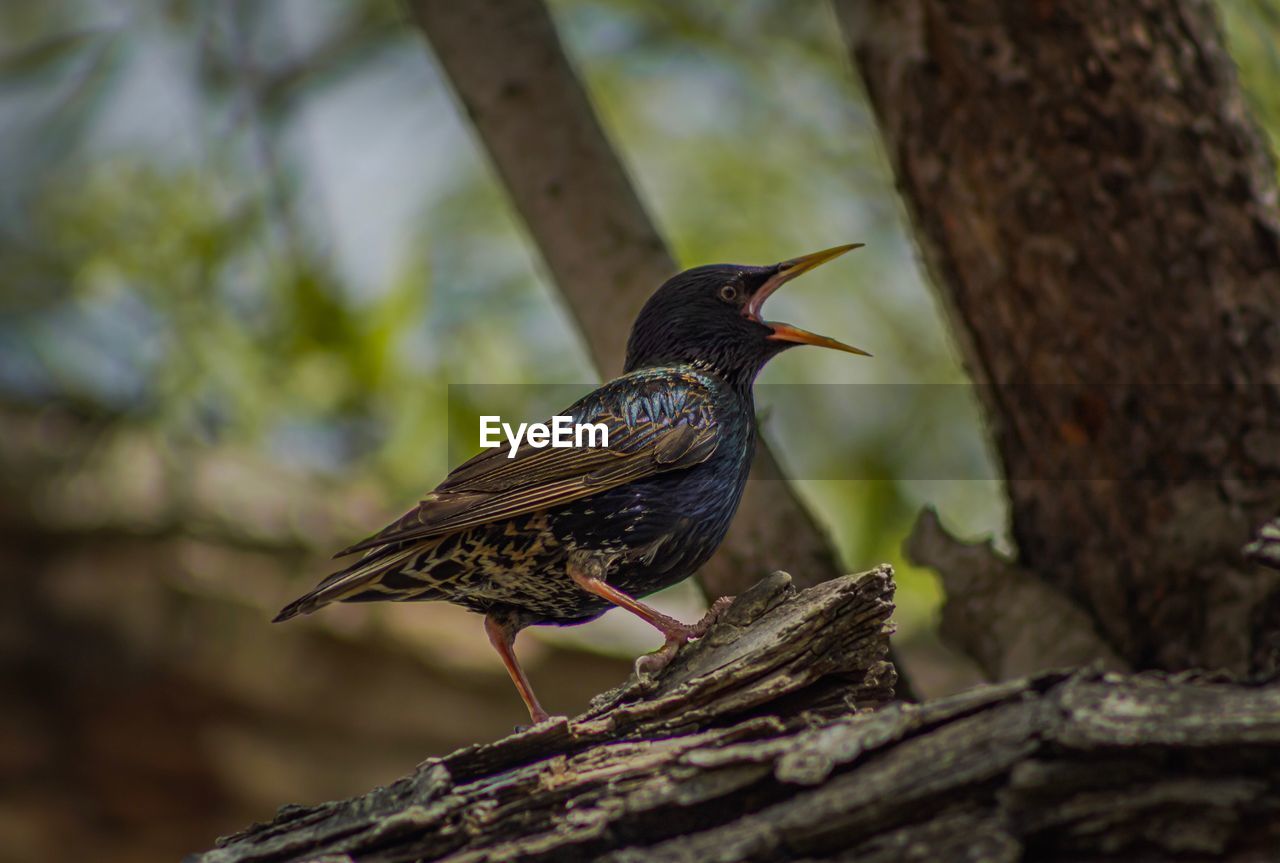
point(754, 745)
point(1099, 215)
point(528, 108)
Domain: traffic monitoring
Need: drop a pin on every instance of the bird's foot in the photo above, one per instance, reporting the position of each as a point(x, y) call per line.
point(652, 663)
point(713, 615)
point(534, 722)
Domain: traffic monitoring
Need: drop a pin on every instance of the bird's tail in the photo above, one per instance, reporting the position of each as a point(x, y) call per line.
point(351, 580)
point(301, 605)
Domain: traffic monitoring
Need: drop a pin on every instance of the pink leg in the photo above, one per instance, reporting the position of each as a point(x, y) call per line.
point(503, 638)
point(589, 576)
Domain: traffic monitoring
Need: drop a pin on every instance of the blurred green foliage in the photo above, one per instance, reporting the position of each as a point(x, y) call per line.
point(1253, 33)
point(266, 223)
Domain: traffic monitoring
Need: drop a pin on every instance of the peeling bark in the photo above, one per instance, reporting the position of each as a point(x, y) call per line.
point(530, 112)
point(1099, 216)
point(757, 744)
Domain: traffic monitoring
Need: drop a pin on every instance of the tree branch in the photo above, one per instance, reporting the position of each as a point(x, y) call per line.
point(755, 744)
point(530, 112)
point(777, 659)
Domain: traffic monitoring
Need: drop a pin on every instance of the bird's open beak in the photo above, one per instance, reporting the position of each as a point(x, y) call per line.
point(786, 271)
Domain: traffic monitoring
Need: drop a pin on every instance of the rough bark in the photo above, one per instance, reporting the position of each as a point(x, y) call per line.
point(512, 78)
point(1099, 217)
point(753, 746)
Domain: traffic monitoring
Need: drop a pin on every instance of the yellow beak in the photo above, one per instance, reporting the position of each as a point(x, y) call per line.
point(786, 271)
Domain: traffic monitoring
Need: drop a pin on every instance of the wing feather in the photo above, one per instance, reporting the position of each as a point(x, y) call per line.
point(655, 424)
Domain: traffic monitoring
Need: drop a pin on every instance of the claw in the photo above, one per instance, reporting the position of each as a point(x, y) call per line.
point(652, 663)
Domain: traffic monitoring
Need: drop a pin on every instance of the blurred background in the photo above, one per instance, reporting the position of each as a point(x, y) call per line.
point(250, 253)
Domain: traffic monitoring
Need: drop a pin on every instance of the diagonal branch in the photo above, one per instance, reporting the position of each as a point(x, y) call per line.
point(776, 659)
point(529, 110)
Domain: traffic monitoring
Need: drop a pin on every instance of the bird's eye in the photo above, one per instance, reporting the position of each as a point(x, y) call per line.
point(729, 293)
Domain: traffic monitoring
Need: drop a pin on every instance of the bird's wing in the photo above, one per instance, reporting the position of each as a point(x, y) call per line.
point(656, 423)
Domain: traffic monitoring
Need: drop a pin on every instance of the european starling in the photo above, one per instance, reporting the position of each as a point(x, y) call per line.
point(560, 535)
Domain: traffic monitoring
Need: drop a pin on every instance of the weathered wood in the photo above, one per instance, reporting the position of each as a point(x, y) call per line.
point(757, 744)
point(1099, 216)
point(529, 110)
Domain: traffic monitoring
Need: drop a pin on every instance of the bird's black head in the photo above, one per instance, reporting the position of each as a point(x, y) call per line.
point(710, 317)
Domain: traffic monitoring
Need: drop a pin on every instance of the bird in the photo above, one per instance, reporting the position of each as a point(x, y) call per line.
point(558, 536)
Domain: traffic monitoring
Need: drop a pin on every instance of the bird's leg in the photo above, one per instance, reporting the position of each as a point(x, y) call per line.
point(588, 572)
point(502, 635)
